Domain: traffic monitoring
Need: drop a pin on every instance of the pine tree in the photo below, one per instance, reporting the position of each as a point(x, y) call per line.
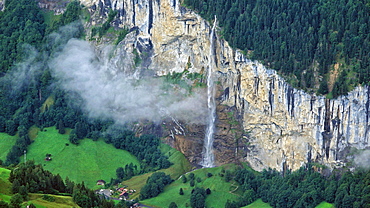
point(173, 205)
point(61, 128)
point(184, 179)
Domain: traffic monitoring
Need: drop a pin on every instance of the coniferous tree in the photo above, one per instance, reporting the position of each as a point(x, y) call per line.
point(172, 205)
point(61, 128)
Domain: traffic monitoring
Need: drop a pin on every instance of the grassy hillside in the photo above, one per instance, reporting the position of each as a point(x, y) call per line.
point(221, 190)
point(60, 201)
point(89, 161)
point(325, 205)
point(6, 143)
point(258, 204)
point(5, 185)
point(180, 166)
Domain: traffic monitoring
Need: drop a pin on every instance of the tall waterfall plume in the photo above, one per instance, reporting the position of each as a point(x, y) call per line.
point(208, 156)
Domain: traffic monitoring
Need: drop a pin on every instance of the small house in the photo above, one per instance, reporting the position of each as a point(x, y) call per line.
point(100, 182)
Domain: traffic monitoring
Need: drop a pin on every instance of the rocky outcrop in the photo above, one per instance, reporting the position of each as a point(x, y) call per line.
point(262, 120)
point(1, 5)
point(58, 6)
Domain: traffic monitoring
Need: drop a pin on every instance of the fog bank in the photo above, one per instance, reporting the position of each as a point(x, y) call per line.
point(125, 99)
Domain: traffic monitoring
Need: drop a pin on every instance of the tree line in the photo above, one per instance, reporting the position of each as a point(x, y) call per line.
point(298, 38)
point(305, 187)
point(30, 178)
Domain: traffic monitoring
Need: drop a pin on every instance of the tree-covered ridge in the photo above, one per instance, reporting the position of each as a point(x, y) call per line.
point(300, 38)
point(30, 178)
point(31, 96)
point(21, 23)
point(305, 187)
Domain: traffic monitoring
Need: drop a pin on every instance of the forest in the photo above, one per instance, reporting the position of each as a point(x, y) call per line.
point(306, 41)
point(306, 187)
point(22, 100)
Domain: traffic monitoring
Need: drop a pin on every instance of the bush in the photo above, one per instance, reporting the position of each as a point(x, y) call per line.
point(48, 198)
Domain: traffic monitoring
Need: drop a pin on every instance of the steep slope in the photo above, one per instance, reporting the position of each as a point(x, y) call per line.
point(281, 127)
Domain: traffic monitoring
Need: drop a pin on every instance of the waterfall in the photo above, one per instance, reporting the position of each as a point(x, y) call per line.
point(208, 157)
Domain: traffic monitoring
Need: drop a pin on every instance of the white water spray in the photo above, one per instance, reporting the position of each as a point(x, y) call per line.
point(208, 156)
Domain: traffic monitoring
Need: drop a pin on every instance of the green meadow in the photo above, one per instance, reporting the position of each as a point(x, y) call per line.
point(6, 143)
point(89, 161)
point(221, 190)
point(180, 166)
point(5, 185)
point(258, 204)
point(60, 201)
point(325, 205)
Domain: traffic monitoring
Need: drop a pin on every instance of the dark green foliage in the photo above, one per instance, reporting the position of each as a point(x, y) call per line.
point(208, 191)
point(184, 179)
point(17, 150)
point(181, 192)
point(94, 135)
point(31, 206)
point(155, 185)
point(71, 15)
point(198, 198)
point(121, 35)
point(323, 88)
point(3, 204)
point(23, 192)
point(16, 200)
point(341, 85)
point(302, 188)
point(228, 176)
point(199, 180)
point(73, 138)
point(10, 127)
point(15, 186)
point(18, 28)
point(292, 36)
point(61, 128)
point(126, 173)
point(28, 177)
point(48, 198)
point(145, 147)
point(192, 183)
point(209, 175)
point(106, 25)
point(191, 176)
point(120, 173)
point(172, 205)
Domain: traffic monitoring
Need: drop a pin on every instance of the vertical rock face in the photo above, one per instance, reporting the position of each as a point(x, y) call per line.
point(261, 119)
point(2, 5)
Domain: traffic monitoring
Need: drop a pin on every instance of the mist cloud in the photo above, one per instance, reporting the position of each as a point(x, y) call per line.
point(363, 159)
point(23, 73)
point(117, 96)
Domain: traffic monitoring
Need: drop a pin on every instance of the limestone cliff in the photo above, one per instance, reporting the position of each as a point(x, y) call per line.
point(261, 118)
point(2, 5)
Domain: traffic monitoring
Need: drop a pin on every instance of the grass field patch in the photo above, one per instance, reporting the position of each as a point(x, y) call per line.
point(180, 166)
point(325, 205)
point(89, 161)
point(258, 204)
point(5, 185)
point(48, 102)
point(60, 201)
point(6, 143)
point(220, 189)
